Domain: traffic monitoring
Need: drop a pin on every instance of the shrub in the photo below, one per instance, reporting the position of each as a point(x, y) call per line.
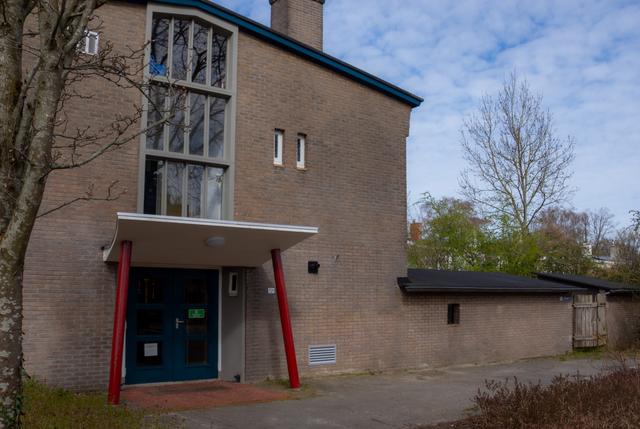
point(605, 401)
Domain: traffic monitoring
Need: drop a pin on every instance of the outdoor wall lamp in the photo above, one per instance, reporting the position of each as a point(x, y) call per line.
point(313, 266)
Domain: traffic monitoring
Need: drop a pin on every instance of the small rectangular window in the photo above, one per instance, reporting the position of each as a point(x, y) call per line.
point(233, 284)
point(91, 39)
point(453, 314)
point(301, 151)
point(278, 144)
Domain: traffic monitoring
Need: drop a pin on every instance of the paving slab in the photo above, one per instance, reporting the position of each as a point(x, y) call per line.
point(397, 400)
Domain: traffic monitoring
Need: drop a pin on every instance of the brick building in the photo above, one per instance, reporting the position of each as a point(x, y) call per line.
point(277, 147)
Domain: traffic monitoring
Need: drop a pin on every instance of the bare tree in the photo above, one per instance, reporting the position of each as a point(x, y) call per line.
point(517, 165)
point(627, 257)
point(41, 68)
point(600, 229)
point(569, 223)
point(636, 219)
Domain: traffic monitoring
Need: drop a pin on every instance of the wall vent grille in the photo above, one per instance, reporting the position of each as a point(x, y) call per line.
point(322, 355)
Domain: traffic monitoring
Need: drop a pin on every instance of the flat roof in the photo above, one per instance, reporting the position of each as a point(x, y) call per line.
point(440, 281)
point(180, 242)
point(299, 48)
point(587, 282)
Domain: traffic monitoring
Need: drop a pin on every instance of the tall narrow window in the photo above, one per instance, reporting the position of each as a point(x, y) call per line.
point(301, 151)
point(214, 192)
point(180, 52)
point(153, 184)
point(233, 284)
point(176, 124)
point(195, 175)
point(453, 314)
point(90, 43)
point(159, 46)
point(278, 143)
point(199, 53)
point(218, 60)
point(175, 181)
point(217, 107)
point(185, 157)
point(196, 124)
point(156, 103)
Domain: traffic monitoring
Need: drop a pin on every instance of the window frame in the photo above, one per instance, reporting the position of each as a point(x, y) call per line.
point(234, 286)
point(228, 93)
point(453, 314)
point(278, 147)
point(86, 42)
point(301, 151)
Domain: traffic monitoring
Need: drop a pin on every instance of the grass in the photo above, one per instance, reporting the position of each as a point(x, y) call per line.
point(50, 408)
point(608, 400)
point(595, 353)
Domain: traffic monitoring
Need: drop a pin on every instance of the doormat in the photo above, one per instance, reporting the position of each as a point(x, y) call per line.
point(190, 396)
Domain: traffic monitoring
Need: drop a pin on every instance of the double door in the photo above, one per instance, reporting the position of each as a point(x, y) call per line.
point(172, 325)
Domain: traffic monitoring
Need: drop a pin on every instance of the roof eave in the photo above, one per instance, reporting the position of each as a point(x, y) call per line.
point(419, 289)
point(585, 284)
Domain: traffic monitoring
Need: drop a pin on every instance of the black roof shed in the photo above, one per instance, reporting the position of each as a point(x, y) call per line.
point(438, 281)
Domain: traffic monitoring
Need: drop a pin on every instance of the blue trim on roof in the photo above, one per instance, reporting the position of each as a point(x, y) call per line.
point(299, 48)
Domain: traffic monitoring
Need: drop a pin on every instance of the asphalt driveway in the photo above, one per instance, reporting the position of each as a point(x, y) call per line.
point(399, 400)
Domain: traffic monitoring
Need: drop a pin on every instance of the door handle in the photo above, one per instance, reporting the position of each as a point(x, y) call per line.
point(178, 322)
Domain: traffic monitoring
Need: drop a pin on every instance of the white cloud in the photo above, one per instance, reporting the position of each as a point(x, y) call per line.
point(583, 56)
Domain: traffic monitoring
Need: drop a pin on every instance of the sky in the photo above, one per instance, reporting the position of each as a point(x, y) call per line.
point(583, 57)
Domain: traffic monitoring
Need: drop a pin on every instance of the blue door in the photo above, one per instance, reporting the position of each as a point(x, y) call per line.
point(172, 325)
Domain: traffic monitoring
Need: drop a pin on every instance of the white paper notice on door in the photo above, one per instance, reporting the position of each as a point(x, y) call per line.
point(150, 349)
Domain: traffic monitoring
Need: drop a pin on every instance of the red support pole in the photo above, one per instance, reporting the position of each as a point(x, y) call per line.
point(117, 341)
point(285, 320)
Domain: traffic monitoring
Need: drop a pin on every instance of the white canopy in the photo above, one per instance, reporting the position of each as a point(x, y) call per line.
point(199, 243)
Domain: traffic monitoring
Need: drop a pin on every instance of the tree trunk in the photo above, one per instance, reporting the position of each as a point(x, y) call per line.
point(13, 249)
point(10, 342)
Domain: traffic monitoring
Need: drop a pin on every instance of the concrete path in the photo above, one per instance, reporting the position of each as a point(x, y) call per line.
point(400, 400)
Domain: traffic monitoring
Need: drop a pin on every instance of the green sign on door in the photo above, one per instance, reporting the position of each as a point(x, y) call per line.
point(196, 313)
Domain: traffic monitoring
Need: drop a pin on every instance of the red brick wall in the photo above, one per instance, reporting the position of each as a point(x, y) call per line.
point(68, 291)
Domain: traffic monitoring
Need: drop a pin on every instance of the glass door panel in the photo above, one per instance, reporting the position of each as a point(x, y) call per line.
point(149, 333)
point(197, 345)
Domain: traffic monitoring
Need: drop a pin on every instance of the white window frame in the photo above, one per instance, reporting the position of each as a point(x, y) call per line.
point(233, 291)
point(87, 42)
point(301, 151)
point(278, 147)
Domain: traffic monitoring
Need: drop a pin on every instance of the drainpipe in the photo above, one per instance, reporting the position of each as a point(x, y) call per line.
point(117, 341)
point(285, 319)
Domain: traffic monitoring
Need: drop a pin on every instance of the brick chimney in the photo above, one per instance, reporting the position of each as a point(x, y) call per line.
point(415, 231)
point(299, 19)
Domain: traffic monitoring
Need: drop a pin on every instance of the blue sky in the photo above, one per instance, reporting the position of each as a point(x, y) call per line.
point(583, 56)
